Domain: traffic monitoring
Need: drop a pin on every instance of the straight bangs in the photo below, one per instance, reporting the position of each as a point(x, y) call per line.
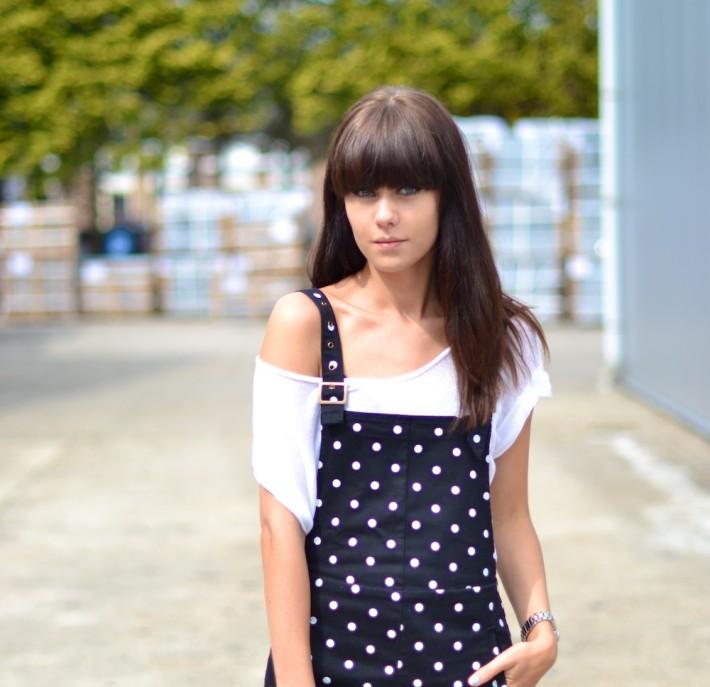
point(386, 146)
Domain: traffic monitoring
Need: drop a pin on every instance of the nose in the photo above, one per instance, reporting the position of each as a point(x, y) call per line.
point(386, 211)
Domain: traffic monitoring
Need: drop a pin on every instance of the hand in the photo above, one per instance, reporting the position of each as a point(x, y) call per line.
point(523, 663)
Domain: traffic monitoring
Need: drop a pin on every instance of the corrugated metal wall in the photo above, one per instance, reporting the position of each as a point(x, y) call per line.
point(657, 95)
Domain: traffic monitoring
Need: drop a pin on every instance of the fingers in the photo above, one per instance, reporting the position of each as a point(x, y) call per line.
point(487, 672)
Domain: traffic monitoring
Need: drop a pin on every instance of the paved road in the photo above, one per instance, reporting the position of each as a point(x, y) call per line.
point(129, 536)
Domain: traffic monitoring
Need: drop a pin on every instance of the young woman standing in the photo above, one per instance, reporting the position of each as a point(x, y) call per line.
point(392, 415)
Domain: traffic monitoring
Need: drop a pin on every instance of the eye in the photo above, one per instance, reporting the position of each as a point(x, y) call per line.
point(408, 190)
point(363, 193)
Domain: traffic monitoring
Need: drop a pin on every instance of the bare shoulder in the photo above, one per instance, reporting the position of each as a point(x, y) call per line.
point(292, 337)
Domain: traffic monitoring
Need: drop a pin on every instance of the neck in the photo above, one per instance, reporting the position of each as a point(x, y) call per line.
point(408, 294)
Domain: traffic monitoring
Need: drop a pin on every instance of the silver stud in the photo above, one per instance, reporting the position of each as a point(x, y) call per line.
point(333, 364)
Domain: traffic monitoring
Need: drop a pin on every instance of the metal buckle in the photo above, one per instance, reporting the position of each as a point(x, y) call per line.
point(332, 386)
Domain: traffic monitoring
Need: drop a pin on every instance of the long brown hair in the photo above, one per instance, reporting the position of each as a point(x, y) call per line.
point(398, 136)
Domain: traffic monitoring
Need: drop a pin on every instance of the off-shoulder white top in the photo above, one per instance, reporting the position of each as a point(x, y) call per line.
point(286, 417)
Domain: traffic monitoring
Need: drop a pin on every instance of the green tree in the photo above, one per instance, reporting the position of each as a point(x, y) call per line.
point(509, 58)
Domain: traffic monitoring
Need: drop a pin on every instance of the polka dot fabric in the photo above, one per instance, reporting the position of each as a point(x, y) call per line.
point(401, 556)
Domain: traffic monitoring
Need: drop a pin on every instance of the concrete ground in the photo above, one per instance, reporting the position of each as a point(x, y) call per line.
point(129, 532)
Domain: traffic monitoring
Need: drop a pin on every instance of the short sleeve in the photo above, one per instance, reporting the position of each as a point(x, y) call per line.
point(515, 403)
point(285, 437)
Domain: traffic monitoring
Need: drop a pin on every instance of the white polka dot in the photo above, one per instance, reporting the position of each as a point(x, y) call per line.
point(473, 474)
point(389, 581)
point(476, 589)
point(333, 605)
point(471, 551)
point(352, 626)
point(417, 683)
point(354, 503)
point(453, 567)
point(435, 546)
point(485, 572)
point(435, 508)
point(475, 665)
point(414, 562)
point(337, 445)
point(395, 467)
point(455, 528)
point(392, 505)
point(395, 596)
point(372, 522)
point(458, 646)
point(370, 649)
point(390, 543)
point(486, 496)
point(458, 607)
point(419, 646)
point(333, 559)
point(490, 606)
point(486, 533)
point(472, 512)
point(496, 650)
point(416, 486)
point(370, 560)
point(326, 680)
point(418, 448)
point(357, 427)
point(372, 613)
point(416, 524)
point(317, 541)
point(397, 429)
point(389, 670)
point(458, 683)
point(348, 664)
point(336, 483)
point(319, 503)
point(352, 541)
point(391, 634)
point(456, 451)
point(376, 446)
point(320, 464)
point(335, 521)
point(500, 622)
point(319, 582)
point(356, 465)
point(419, 607)
point(476, 627)
point(476, 438)
point(374, 485)
point(436, 469)
point(438, 627)
point(330, 643)
point(355, 589)
point(350, 579)
point(455, 489)
point(438, 666)
point(433, 584)
point(314, 620)
point(438, 431)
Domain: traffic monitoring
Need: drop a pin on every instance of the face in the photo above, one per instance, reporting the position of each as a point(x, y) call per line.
point(394, 228)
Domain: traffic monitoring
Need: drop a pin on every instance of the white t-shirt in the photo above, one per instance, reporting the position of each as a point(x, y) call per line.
point(286, 417)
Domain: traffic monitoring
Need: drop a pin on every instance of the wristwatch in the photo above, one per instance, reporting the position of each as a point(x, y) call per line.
point(536, 618)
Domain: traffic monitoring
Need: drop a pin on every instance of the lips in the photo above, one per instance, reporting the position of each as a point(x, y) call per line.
point(389, 240)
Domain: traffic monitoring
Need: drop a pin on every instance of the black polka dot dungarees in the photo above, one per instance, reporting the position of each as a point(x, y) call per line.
point(400, 557)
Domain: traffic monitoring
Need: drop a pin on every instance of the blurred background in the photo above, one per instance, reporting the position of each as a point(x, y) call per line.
point(160, 172)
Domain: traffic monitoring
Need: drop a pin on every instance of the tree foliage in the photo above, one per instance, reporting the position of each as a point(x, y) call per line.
point(78, 77)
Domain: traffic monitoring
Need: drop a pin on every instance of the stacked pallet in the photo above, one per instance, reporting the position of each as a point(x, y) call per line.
point(38, 261)
point(540, 192)
point(117, 286)
point(223, 253)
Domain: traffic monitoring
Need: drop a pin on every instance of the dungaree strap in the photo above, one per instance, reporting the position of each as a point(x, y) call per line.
point(333, 390)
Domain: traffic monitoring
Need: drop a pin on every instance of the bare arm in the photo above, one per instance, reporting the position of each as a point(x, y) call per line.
point(521, 568)
point(291, 341)
point(287, 592)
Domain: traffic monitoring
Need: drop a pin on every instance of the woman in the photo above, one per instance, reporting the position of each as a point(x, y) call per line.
point(386, 399)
